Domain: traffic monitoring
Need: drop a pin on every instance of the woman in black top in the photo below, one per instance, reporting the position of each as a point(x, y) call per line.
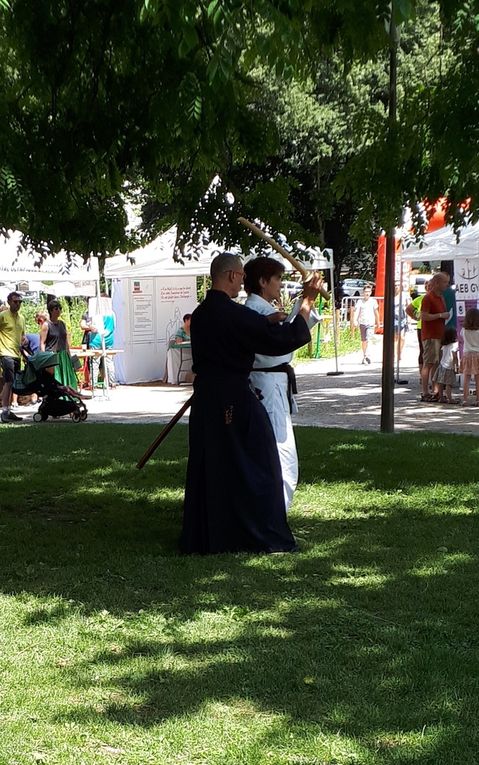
point(54, 337)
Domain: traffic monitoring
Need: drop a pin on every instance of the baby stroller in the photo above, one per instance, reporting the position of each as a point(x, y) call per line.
point(57, 400)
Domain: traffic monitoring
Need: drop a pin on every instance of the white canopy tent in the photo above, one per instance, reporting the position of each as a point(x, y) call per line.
point(156, 260)
point(442, 244)
point(18, 267)
point(151, 292)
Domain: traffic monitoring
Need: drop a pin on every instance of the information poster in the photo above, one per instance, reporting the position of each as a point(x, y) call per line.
point(143, 326)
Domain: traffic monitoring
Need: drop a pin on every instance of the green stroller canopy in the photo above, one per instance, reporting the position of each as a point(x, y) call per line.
point(37, 362)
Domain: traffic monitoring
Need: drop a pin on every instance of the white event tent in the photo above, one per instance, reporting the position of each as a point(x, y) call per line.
point(63, 274)
point(151, 292)
point(443, 244)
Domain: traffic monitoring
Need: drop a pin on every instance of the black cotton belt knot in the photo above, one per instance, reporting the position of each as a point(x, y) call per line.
point(289, 371)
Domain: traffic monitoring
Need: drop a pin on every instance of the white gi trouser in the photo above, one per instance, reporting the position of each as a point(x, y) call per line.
point(274, 390)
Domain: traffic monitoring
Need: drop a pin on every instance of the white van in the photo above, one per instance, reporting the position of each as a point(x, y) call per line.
point(417, 283)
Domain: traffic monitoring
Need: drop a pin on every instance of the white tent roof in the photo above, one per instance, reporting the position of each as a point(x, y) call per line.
point(21, 267)
point(443, 245)
point(156, 259)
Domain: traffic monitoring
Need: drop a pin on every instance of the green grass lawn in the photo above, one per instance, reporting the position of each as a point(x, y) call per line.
point(362, 649)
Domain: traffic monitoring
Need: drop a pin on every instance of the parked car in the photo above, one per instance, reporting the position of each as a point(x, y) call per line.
point(354, 287)
point(418, 283)
point(292, 289)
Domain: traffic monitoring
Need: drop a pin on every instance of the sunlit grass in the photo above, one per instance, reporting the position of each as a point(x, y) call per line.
point(360, 650)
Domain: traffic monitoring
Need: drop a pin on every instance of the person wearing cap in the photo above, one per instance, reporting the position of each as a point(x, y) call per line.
point(234, 500)
point(12, 331)
point(54, 337)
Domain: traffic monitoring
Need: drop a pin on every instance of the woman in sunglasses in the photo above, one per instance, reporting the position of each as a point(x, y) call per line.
point(54, 337)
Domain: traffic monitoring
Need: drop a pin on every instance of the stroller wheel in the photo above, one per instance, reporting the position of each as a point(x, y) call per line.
point(83, 415)
point(37, 417)
point(76, 416)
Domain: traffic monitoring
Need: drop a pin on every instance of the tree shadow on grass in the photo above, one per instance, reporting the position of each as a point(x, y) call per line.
point(369, 633)
point(389, 665)
point(346, 638)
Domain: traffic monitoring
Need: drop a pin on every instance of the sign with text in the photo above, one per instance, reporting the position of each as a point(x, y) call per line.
point(143, 328)
point(466, 273)
point(174, 293)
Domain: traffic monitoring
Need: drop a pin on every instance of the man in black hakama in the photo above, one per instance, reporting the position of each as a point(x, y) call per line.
point(234, 497)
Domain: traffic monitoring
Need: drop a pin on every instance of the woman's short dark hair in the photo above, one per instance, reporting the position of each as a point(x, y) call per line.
point(186, 317)
point(260, 268)
point(53, 304)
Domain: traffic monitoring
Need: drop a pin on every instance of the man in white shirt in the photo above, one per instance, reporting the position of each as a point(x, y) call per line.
point(366, 316)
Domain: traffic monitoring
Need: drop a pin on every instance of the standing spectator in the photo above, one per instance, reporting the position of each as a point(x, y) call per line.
point(366, 316)
point(32, 339)
point(12, 331)
point(339, 294)
point(433, 317)
point(470, 358)
point(400, 319)
point(54, 337)
point(413, 310)
point(31, 343)
point(103, 326)
point(449, 296)
point(85, 326)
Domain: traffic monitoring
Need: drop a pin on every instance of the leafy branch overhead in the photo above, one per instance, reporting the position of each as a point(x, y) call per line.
point(283, 98)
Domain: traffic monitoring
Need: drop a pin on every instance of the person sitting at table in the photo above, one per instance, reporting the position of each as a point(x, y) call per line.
point(174, 356)
point(183, 334)
point(54, 337)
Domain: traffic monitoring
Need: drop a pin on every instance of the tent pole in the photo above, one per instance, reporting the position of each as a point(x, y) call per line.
point(400, 307)
point(335, 324)
point(106, 387)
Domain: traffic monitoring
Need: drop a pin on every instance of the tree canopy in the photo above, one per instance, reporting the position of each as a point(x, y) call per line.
point(277, 96)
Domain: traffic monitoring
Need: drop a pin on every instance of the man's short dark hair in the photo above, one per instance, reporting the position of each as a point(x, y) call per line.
point(260, 268)
point(13, 295)
point(186, 317)
point(224, 262)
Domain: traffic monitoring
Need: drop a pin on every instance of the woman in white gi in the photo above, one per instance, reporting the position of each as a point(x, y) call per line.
point(263, 284)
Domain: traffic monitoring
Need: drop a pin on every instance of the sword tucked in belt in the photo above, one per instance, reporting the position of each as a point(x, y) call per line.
point(289, 371)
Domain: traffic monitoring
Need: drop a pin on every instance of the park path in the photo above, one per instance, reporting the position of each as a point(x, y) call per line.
point(351, 400)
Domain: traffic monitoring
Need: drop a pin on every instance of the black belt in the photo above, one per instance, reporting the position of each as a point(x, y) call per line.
point(289, 371)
